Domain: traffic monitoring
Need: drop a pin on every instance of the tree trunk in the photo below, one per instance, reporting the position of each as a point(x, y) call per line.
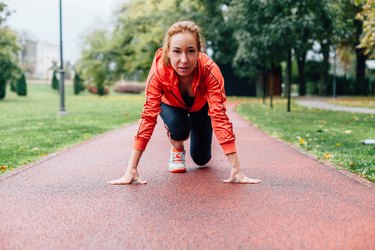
point(301, 59)
point(288, 77)
point(264, 80)
point(361, 86)
point(3, 86)
point(272, 82)
point(325, 68)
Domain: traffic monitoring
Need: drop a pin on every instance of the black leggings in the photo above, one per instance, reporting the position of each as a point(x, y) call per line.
point(180, 122)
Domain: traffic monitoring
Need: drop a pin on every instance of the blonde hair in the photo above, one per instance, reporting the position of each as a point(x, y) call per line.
point(181, 26)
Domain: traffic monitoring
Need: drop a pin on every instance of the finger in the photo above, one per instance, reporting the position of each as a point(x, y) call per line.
point(247, 180)
point(139, 181)
point(230, 180)
point(121, 181)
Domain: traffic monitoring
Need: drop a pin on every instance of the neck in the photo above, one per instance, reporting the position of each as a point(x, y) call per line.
point(186, 79)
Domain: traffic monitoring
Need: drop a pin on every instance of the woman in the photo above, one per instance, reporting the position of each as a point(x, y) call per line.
point(186, 88)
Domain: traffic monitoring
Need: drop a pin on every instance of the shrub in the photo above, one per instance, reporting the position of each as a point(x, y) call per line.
point(2, 88)
point(94, 89)
point(78, 84)
point(13, 86)
point(21, 85)
point(101, 89)
point(55, 81)
point(129, 88)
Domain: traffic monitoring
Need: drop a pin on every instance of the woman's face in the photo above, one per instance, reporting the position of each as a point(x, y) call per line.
point(183, 53)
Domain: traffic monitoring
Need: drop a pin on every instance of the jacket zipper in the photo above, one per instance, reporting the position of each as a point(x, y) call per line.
point(183, 103)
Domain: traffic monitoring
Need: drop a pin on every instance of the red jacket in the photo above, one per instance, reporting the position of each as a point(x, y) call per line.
point(208, 86)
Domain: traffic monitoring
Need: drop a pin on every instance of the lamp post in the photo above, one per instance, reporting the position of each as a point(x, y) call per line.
point(61, 81)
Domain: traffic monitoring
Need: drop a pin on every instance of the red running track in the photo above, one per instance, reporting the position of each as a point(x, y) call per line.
point(63, 202)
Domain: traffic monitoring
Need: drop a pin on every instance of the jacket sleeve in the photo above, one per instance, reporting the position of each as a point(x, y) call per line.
point(217, 111)
point(151, 110)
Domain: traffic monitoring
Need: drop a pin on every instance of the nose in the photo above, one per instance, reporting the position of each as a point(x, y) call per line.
point(183, 58)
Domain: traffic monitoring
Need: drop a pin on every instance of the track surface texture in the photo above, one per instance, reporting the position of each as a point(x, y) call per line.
point(63, 202)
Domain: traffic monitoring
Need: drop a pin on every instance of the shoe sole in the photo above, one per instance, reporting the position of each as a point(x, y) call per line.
point(183, 170)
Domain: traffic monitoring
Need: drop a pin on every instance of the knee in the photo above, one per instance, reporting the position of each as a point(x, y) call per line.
point(200, 159)
point(178, 130)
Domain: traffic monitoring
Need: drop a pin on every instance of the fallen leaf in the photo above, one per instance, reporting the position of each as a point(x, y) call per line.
point(327, 156)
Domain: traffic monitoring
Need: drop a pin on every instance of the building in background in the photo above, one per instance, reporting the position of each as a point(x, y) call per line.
point(39, 58)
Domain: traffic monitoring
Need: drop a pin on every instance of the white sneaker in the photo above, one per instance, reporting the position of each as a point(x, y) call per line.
point(177, 161)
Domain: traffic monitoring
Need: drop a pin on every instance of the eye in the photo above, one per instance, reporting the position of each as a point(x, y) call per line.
point(176, 51)
point(191, 51)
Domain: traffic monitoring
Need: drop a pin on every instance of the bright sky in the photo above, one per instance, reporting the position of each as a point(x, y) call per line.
point(40, 19)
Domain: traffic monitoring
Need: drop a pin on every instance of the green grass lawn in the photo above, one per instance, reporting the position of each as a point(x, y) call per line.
point(30, 127)
point(329, 135)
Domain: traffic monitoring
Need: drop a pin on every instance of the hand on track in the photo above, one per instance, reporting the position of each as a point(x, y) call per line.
point(130, 177)
point(236, 176)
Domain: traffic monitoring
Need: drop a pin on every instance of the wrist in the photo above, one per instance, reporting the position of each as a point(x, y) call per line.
point(233, 159)
point(132, 166)
point(236, 166)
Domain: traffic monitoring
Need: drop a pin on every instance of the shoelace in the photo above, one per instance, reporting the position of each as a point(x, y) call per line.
point(178, 157)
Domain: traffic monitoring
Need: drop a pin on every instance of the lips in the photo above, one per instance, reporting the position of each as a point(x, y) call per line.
point(183, 68)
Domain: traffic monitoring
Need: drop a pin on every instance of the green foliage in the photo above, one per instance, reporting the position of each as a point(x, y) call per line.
point(21, 85)
point(101, 90)
point(96, 59)
point(129, 49)
point(213, 18)
point(265, 30)
point(140, 30)
point(13, 85)
point(78, 83)
point(8, 52)
point(2, 88)
point(367, 16)
point(4, 12)
point(55, 81)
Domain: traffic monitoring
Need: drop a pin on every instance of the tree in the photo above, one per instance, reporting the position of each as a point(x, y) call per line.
point(21, 85)
point(213, 17)
point(265, 36)
point(349, 34)
point(96, 60)
point(8, 52)
point(78, 83)
point(313, 22)
point(222, 45)
point(326, 36)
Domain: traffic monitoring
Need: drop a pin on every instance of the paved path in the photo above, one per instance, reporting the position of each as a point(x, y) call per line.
point(321, 104)
point(64, 203)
